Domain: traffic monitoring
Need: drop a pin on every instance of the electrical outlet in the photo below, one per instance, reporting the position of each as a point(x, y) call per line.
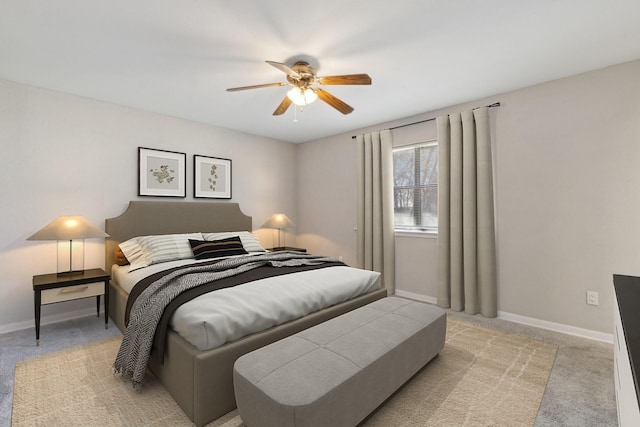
point(592, 298)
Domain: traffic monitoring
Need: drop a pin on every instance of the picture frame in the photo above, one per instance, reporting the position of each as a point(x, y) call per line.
point(211, 177)
point(161, 173)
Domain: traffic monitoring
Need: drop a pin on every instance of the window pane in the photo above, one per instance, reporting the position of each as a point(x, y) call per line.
point(430, 207)
point(429, 165)
point(403, 162)
point(403, 207)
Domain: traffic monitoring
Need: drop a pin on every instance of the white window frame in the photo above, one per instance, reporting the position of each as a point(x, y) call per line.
point(423, 231)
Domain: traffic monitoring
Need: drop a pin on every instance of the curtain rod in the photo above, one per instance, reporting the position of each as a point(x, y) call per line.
point(495, 104)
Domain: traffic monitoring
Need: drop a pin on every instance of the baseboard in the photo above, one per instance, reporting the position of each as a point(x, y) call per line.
point(558, 327)
point(416, 297)
point(47, 320)
point(530, 321)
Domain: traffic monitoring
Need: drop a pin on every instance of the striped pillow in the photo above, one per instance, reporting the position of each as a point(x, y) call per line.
point(146, 250)
point(204, 249)
point(249, 240)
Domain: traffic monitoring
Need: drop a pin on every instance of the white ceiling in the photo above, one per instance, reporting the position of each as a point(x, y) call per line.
point(177, 57)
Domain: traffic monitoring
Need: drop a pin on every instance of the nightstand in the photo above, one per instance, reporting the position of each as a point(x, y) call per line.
point(286, 248)
point(52, 288)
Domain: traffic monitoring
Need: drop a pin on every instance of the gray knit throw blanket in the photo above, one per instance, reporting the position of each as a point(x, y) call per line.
point(135, 349)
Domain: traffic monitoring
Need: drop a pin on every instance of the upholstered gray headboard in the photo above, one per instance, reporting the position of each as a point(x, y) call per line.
point(144, 218)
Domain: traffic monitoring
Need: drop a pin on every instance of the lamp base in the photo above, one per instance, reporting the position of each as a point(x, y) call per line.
point(70, 257)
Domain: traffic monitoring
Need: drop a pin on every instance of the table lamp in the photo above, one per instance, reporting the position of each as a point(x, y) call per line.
point(279, 221)
point(67, 229)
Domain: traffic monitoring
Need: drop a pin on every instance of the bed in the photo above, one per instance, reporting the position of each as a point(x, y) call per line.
point(201, 381)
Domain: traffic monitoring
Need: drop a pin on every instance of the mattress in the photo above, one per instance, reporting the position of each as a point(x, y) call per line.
point(213, 319)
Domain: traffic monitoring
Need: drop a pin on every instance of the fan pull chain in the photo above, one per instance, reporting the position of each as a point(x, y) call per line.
point(295, 113)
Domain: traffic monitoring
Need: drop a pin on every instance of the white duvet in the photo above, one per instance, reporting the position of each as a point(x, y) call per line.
point(213, 319)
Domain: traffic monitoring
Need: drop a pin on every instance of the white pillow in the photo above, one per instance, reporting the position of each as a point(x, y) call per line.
point(248, 239)
point(147, 250)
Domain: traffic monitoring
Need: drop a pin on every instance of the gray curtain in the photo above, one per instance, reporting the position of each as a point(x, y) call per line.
point(376, 239)
point(466, 229)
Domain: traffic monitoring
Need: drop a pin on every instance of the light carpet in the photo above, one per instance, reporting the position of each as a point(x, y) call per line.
point(482, 377)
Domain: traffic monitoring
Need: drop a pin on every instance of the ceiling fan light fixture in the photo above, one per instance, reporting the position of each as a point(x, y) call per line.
point(301, 97)
point(301, 76)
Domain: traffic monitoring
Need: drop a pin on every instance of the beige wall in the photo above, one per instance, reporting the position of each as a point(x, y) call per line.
point(567, 186)
point(65, 155)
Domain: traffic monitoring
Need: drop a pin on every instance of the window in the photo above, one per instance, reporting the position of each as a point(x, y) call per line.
point(415, 187)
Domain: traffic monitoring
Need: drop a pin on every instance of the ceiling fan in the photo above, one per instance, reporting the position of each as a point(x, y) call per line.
point(304, 80)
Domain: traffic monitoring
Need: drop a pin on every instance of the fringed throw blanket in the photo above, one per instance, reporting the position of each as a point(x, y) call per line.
point(148, 308)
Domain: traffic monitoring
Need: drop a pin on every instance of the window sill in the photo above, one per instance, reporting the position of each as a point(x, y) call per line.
point(417, 234)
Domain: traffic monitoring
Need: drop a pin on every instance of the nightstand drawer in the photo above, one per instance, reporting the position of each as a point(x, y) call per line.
point(72, 292)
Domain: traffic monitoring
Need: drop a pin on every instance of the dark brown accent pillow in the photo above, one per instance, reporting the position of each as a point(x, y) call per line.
point(205, 249)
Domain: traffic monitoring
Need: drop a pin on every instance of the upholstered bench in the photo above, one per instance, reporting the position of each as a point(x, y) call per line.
point(338, 372)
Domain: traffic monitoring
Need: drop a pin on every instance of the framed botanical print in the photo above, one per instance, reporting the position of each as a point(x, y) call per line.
point(211, 177)
point(161, 173)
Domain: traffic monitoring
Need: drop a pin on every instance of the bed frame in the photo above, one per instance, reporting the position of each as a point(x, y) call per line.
point(201, 382)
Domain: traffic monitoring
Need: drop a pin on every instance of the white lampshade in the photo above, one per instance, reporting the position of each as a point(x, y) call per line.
point(301, 96)
point(279, 221)
point(67, 229)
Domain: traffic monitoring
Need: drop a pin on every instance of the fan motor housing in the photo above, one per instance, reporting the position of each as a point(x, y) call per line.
point(306, 72)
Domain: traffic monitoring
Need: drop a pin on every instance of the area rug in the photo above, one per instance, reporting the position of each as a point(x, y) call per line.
point(482, 377)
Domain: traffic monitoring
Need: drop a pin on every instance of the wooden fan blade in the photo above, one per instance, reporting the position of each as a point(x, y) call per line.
point(234, 89)
point(283, 106)
point(333, 101)
point(349, 79)
point(282, 67)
